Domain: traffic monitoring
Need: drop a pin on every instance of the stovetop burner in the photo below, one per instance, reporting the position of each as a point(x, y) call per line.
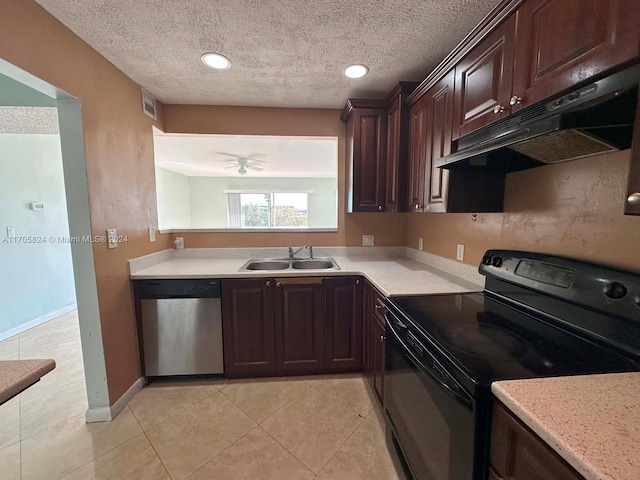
point(486, 342)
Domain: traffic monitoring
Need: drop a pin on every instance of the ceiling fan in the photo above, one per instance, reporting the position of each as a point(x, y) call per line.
point(243, 163)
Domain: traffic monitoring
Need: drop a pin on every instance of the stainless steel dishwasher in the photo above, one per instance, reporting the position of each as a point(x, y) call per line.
point(181, 327)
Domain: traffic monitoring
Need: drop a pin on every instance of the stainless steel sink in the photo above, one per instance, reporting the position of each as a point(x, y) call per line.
point(314, 264)
point(296, 263)
point(267, 265)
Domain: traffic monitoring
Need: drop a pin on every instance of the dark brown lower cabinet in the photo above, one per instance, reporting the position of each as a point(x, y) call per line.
point(517, 453)
point(299, 324)
point(343, 324)
point(374, 338)
point(248, 327)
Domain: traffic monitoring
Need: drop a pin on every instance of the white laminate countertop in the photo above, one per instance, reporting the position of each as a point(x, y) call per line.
point(393, 276)
point(592, 421)
point(17, 375)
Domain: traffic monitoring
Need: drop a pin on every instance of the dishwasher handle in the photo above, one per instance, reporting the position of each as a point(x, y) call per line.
point(179, 288)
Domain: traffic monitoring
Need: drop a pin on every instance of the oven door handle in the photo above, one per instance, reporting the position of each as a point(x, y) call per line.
point(460, 397)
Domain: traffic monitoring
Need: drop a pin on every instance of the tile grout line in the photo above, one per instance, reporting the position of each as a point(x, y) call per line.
point(342, 404)
point(176, 413)
point(341, 445)
point(290, 452)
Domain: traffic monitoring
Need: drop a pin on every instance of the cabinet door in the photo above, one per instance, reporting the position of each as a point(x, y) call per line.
point(417, 155)
point(367, 126)
point(563, 42)
point(343, 329)
point(519, 454)
point(439, 130)
point(367, 315)
point(393, 166)
point(299, 324)
point(378, 344)
point(248, 327)
point(483, 81)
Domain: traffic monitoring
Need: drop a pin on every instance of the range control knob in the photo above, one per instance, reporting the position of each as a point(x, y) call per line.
point(497, 262)
point(614, 290)
point(636, 300)
point(486, 260)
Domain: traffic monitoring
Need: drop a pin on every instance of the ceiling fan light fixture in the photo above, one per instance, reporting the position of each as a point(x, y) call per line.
point(356, 71)
point(215, 60)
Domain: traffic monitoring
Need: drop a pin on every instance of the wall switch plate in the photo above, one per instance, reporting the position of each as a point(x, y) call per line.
point(179, 242)
point(112, 237)
point(460, 253)
point(367, 240)
point(11, 231)
point(420, 243)
point(152, 234)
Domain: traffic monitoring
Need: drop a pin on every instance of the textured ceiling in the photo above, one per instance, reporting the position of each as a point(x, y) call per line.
point(199, 155)
point(284, 53)
point(29, 120)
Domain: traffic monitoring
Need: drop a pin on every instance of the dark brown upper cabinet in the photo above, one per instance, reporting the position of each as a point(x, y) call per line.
point(343, 324)
point(248, 333)
point(299, 324)
point(397, 148)
point(483, 80)
point(417, 155)
point(439, 126)
point(366, 152)
point(560, 43)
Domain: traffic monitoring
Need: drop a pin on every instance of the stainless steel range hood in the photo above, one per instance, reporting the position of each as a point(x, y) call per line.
point(594, 119)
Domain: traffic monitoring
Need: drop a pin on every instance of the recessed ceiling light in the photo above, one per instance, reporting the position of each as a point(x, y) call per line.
point(215, 60)
point(356, 71)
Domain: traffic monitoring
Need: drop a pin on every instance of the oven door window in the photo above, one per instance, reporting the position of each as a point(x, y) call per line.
point(435, 429)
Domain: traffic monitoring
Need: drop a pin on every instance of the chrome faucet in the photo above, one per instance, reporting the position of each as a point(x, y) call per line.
point(293, 253)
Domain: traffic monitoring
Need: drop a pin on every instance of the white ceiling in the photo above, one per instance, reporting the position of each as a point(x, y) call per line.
point(198, 155)
point(284, 53)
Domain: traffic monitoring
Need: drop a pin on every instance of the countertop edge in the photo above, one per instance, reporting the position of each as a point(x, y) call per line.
point(571, 457)
point(29, 372)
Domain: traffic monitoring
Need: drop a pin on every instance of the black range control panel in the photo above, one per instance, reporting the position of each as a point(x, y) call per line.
point(546, 273)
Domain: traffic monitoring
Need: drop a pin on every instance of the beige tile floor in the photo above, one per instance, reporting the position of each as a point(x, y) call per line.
point(296, 428)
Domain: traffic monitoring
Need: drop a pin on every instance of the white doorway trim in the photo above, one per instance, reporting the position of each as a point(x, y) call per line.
point(77, 196)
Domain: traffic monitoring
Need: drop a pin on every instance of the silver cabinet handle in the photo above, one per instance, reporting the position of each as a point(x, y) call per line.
point(634, 199)
point(378, 307)
point(498, 109)
point(357, 282)
point(278, 284)
point(418, 205)
point(379, 208)
point(382, 338)
point(268, 284)
point(515, 100)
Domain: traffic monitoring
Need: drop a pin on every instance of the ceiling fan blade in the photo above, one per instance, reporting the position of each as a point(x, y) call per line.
point(232, 166)
point(229, 154)
point(255, 168)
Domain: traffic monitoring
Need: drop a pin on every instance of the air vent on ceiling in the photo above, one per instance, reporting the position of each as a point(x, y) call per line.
point(149, 104)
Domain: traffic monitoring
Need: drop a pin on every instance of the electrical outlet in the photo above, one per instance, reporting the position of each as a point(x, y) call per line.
point(179, 243)
point(367, 240)
point(460, 253)
point(420, 243)
point(112, 238)
point(152, 234)
point(11, 231)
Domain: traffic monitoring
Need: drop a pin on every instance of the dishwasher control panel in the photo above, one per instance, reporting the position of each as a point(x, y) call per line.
point(179, 288)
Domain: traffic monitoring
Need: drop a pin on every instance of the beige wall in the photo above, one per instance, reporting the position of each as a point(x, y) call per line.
point(119, 155)
point(389, 230)
point(572, 209)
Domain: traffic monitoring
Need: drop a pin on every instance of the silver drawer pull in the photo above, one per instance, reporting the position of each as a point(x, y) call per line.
point(634, 199)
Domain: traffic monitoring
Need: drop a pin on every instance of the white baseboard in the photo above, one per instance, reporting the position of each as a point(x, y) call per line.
point(106, 414)
point(38, 321)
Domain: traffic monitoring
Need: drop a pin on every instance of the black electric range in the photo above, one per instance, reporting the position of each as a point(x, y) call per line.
point(538, 316)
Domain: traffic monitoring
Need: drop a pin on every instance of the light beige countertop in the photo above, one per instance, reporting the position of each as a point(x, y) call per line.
point(17, 375)
point(592, 421)
point(392, 275)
